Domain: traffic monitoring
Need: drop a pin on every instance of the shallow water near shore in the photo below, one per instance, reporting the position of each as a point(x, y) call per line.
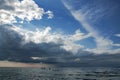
point(7, 73)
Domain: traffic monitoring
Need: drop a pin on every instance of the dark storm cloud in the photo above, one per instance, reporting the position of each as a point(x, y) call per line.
point(11, 47)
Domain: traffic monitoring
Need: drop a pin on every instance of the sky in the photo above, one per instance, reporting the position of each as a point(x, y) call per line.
point(31, 29)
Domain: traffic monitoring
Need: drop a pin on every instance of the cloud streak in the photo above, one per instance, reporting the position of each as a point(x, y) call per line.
point(103, 44)
point(117, 35)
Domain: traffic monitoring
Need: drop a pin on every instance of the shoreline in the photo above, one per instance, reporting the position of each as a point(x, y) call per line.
point(20, 64)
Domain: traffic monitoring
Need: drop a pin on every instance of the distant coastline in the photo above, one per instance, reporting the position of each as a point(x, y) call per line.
point(20, 64)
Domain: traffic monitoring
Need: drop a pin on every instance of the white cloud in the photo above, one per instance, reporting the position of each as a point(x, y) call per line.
point(110, 51)
point(116, 45)
point(29, 10)
point(6, 17)
point(46, 36)
point(72, 47)
point(39, 58)
point(25, 10)
point(77, 60)
point(104, 45)
point(79, 35)
point(94, 10)
point(50, 14)
point(118, 35)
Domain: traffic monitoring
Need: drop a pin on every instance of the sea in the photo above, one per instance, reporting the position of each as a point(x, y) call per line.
point(54, 73)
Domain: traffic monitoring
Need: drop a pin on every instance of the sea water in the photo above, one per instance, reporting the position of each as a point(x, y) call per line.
point(7, 73)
